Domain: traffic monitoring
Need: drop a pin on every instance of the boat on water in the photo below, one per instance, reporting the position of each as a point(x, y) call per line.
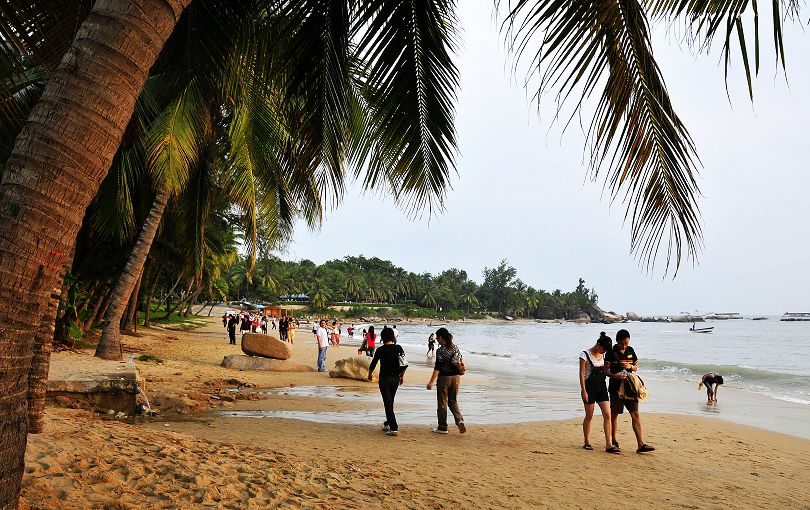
point(759, 319)
point(795, 317)
point(709, 329)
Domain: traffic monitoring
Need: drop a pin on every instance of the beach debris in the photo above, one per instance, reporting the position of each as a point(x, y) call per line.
point(111, 411)
point(120, 414)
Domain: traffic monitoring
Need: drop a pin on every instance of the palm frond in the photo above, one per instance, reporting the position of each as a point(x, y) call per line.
point(410, 84)
point(706, 20)
point(173, 140)
point(635, 135)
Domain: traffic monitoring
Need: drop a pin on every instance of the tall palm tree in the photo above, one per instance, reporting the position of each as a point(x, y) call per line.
point(654, 160)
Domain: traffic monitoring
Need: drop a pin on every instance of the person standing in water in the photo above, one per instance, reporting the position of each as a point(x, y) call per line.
point(712, 382)
point(622, 360)
point(431, 344)
point(391, 376)
point(447, 377)
point(594, 390)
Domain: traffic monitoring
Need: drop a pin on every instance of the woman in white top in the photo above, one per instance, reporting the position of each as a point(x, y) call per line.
point(594, 390)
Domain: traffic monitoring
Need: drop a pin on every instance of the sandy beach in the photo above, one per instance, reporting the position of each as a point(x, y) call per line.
point(192, 457)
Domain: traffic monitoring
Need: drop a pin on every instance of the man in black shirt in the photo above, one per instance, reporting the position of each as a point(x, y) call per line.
point(622, 359)
point(232, 323)
point(391, 376)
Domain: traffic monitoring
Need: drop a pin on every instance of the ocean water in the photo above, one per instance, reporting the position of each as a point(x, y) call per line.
point(528, 372)
point(763, 357)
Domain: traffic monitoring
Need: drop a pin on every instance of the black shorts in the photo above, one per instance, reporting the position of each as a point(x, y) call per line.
point(617, 405)
point(596, 393)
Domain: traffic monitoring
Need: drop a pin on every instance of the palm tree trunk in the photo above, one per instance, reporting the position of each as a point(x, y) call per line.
point(58, 162)
point(41, 360)
point(132, 317)
point(102, 308)
point(166, 298)
point(109, 347)
point(147, 312)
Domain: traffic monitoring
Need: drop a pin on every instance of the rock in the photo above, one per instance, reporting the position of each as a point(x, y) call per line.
point(355, 368)
point(266, 346)
point(582, 318)
point(120, 414)
point(111, 411)
point(632, 316)
point(239, 362)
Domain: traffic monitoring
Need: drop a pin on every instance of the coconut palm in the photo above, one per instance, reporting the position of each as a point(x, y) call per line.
point(407, 44)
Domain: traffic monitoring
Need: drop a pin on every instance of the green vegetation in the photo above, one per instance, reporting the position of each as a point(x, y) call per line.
point(149, 358)
point(375, 287)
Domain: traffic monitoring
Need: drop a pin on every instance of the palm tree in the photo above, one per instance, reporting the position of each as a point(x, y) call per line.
point(532, 300)
point(654, 156)
point(470, 299)
point(429, 298)
point(320, 297)
point(353, 283)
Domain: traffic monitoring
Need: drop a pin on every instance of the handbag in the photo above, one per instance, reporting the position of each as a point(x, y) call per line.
point(633, 388)
point(458, 361)
point(403, 362)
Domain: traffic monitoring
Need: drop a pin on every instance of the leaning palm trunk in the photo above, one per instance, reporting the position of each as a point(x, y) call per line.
point(59, 160)
point(41, 360)
point(109, 347)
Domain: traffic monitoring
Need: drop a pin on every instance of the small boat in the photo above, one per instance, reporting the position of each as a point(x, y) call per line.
point(509, 318)
point(759, 319)
point(693, 329)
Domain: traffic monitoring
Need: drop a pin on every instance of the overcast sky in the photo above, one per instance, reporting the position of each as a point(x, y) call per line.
point(522, 192)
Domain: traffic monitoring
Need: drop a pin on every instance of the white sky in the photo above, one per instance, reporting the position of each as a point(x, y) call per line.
point(522, 192)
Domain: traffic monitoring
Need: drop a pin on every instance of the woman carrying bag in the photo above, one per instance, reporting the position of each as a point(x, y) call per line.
point(393, 364)
point(447, 374)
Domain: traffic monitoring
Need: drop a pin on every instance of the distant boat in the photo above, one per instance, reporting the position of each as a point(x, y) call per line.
point(759, 319)
point(693, 329)
point(795, 317)
point(509, 318)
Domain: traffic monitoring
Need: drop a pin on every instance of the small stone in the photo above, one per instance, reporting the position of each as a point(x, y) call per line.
point(111, 412)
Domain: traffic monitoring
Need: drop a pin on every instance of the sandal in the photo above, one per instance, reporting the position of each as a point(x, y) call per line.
point(616, 444)
point(613, 449)
point(587, 446)
point(645, 448)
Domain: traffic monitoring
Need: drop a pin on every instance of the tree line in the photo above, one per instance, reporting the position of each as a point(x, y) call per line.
point(361, 280)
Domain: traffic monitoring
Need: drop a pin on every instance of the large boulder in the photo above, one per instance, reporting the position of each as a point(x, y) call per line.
point(266, 346)
point(239, 362)
point(355, 368)
point(633, 316)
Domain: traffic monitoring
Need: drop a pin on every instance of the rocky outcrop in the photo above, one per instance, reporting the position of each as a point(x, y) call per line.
point(633, 316)
point(239, 362)
point(355, 368)
point(582, 318)
point(266, 346)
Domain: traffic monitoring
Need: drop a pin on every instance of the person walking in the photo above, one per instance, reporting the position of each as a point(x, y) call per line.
point(431, 345)
point(447, 377)
point(322, 337)
point(371, 341)
point(594, 390)
point(392, 375)
point(622, 360)
point(282, 328)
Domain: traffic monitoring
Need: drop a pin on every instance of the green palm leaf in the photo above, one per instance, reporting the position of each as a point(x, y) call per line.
point(409, 88)
point(635, 135)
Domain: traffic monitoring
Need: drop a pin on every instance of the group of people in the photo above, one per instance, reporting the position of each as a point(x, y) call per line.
point(618, 363)
point(246, 322)
point(446, 377)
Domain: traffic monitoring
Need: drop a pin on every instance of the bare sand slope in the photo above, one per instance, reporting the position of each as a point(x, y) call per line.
point(83, 462)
